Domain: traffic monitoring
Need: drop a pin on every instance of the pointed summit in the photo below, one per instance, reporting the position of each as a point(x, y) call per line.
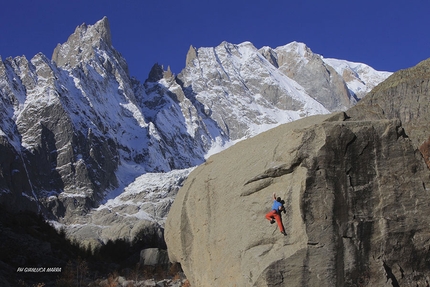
point(191, 55)
point(168, 74)
point(80, 44)
point(156, 73)
point(102, 28)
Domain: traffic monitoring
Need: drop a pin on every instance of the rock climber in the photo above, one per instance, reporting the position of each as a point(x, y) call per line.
point(275, 213)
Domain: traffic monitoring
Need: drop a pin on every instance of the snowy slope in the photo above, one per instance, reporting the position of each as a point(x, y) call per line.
point(144, 204)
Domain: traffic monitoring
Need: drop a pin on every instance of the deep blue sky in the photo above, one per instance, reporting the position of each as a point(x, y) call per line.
point(386, 34)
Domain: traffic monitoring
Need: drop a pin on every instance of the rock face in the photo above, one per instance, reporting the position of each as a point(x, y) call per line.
point(405, 96)
point(319, 79)
point(357, 199)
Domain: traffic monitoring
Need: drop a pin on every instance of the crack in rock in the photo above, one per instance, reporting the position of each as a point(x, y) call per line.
point(276, 171)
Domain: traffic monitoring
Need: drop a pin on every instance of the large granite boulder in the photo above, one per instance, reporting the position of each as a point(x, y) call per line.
point(357, 199)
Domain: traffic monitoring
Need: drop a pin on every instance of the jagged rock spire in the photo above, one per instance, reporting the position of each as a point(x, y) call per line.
point(191, 55)
point(80, 44)
point(168, 74)
point(156, 73)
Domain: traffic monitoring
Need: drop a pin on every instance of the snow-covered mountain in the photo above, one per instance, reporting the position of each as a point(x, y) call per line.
point(77, 130)
point(242, 91)
point(359, 78)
